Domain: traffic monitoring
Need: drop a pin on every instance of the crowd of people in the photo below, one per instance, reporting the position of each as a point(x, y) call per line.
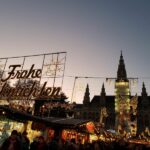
point(17, 141)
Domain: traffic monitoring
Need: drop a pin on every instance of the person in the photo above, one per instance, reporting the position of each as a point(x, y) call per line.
point(41, 145)
point(4, 136)
point(12, 142)
point(73, 145)
point(34, 144)
point(25, 141)
point(53, 145)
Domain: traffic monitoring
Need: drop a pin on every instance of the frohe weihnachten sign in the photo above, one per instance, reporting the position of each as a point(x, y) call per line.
point(34, 89)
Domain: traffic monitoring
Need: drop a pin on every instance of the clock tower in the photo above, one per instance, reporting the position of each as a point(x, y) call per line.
point(122, 98)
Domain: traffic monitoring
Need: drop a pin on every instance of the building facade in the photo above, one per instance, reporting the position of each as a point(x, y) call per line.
point(122, 112)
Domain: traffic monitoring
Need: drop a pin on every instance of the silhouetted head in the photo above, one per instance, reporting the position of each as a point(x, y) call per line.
point(24, 133)
point(14, 132)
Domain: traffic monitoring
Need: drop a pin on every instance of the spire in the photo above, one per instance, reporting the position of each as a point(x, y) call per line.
point(145, 101)
point(144, 93)
point(121, 73)
point(86, 100)
point(103, 93)
point(103, 96)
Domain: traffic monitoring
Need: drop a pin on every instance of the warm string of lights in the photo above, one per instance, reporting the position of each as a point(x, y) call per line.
point(51, 105)
point(56, 109)
point(23, 106)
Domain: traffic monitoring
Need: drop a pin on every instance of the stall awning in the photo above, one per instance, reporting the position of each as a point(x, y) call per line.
point(48, 121)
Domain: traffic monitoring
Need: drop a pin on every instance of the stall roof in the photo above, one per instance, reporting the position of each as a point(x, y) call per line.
point(67, 121)
point(48, 121)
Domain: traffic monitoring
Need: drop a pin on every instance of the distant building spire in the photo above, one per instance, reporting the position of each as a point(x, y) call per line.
point(121, 73)
point(145, 100)
point(144, 93)
point(86, 100)
point(103, 96)
point(103, 93)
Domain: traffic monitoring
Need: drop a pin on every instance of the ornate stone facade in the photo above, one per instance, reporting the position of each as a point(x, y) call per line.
point(122, 111)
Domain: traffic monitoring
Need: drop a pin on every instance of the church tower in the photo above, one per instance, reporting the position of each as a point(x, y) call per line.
point(103, 110)
point(144, 102)
point(103, 97)
point(86, 100)
point(122, 98)
point(143, 111)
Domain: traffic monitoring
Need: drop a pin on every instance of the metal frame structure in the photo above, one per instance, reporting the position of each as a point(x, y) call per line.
point(52, 66)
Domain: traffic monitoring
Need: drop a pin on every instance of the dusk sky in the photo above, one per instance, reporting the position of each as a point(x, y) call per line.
point(92, 32)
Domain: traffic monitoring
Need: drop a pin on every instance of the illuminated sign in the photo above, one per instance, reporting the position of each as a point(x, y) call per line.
point(32, 89)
